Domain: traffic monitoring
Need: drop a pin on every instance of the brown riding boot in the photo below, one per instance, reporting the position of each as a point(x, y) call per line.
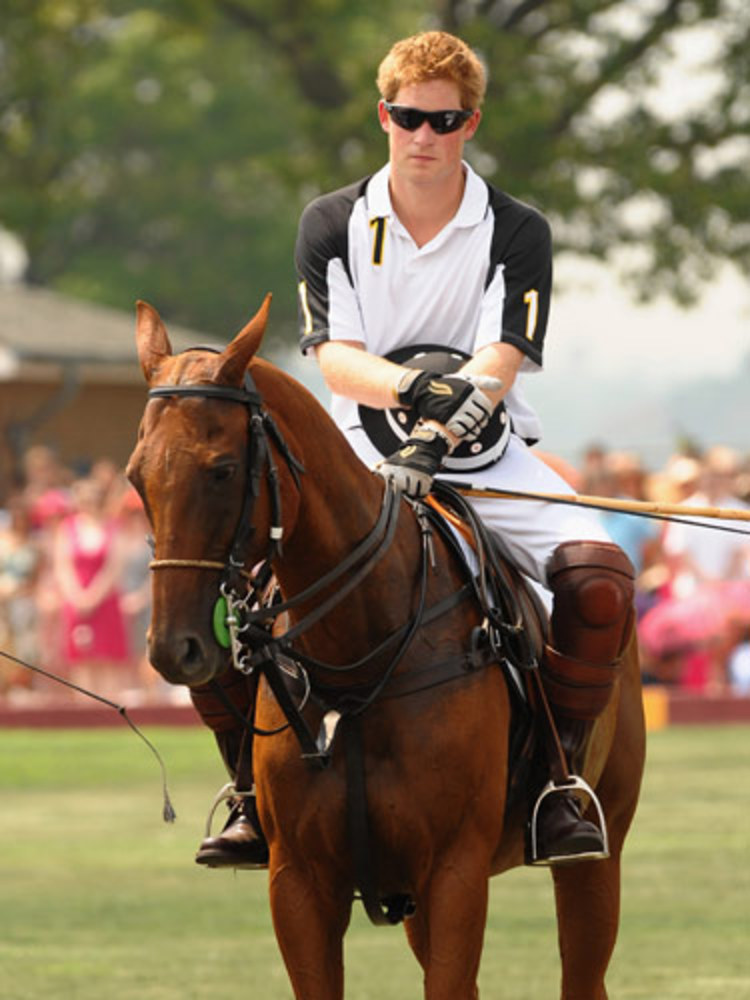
point(241, 843)
point(562, 833)
point(592, 584)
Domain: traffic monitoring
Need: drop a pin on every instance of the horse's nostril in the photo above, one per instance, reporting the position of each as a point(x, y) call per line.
point(193, 652)
point(180, 657)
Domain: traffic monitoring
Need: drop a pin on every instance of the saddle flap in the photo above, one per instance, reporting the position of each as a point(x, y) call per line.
point(516, 608)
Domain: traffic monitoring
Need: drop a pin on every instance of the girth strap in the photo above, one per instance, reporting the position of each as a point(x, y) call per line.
point(453, 668)
point(390, 910)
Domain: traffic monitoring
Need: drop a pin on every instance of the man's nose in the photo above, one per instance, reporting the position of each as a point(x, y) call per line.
point(424, 133)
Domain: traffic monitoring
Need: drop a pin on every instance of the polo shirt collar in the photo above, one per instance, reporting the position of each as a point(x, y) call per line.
point(471, 211)
point(378, 197)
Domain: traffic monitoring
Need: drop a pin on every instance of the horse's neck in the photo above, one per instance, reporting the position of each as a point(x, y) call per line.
point(340, 501)
point(340, 497)
point(377, 605)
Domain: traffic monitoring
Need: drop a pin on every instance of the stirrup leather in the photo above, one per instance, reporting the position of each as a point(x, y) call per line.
point(571, 783)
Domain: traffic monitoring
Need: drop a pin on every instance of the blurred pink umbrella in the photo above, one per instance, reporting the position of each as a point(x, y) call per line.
point(735, 594)
point(679, 623)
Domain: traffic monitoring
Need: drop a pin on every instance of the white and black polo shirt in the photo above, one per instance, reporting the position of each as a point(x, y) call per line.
point(486, 277)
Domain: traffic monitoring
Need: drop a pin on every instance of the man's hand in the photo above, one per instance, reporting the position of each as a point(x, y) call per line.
point(414, 465)
point(455, 401)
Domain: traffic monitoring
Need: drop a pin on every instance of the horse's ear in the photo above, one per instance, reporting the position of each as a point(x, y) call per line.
point(237, 356)
point(151, 339)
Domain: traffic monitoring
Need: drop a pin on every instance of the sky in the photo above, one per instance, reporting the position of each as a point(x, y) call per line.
point(597, 328)
point(612, 368)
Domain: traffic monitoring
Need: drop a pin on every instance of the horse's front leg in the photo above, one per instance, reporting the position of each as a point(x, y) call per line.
point(588, 910)
point(310, 919)
point(588, 894)
point(447, 931)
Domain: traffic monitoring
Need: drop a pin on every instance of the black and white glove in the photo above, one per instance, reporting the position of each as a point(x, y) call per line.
point(455, 401)
point(414, 465)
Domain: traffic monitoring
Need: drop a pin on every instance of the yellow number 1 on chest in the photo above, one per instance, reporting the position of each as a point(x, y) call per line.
point(378, 225)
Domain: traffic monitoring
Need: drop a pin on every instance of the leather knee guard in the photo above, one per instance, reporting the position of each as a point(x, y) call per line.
point(592, 584)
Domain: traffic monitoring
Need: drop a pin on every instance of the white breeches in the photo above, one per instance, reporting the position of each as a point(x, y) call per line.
point(530, 530)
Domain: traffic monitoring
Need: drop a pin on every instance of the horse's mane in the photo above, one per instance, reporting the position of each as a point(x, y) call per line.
point(301, 412)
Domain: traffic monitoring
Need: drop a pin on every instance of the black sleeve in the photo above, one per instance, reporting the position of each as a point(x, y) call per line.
point(322, 236)
point(522, 246)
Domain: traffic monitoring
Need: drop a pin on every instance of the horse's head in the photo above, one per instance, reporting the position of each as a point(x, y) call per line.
point(201, 447)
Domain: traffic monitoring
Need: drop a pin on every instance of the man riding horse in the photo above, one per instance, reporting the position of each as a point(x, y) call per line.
point(425, 254)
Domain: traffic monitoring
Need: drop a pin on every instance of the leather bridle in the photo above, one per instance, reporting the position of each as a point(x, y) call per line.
point(248, 618)
point(259, 460)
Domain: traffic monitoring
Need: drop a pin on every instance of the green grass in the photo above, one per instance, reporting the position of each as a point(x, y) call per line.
point(100, 898)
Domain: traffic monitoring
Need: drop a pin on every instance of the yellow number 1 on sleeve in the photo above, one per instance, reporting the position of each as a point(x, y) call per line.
point(531, 298)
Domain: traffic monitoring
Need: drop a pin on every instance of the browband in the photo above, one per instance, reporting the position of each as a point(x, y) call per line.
point(227, 392)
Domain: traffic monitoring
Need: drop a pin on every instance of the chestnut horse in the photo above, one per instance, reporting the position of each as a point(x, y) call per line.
point(435, 758)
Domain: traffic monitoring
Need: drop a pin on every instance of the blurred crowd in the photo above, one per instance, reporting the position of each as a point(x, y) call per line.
point(693, 572)
point(74, 586)
point(74, 579)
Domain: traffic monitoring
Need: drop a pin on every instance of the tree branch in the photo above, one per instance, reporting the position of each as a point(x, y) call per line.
point(316, 79)
point(520, 12)
point(614, 67)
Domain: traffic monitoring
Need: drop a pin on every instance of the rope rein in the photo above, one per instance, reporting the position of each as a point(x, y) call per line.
point(168, 813)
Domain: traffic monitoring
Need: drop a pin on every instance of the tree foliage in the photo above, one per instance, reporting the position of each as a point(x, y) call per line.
point(164, 151)
point(591, 120)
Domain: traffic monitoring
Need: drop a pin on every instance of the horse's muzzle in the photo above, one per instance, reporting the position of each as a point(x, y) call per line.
point(184, 657)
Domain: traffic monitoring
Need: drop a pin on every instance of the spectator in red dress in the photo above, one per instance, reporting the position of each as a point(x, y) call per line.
point(87, 566)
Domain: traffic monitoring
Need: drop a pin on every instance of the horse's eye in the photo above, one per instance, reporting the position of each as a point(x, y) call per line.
point(223, 473)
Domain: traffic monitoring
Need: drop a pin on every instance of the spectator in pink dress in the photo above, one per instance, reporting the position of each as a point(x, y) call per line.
point(88, 566)
point(47, 512)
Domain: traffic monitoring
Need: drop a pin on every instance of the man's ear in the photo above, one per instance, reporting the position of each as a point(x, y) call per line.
point(384, 117)
point(472, 124)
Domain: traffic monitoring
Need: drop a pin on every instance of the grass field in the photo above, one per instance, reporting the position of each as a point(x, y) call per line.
point(100, 899)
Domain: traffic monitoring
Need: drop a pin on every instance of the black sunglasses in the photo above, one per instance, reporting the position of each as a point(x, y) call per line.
point(441, 122)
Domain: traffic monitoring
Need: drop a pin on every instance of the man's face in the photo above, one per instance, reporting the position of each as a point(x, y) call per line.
point(423, 156)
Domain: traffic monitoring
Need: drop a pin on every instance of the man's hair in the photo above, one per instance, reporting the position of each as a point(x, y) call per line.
point(433, 55)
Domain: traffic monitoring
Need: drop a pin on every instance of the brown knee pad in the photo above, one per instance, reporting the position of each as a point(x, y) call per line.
point(592, 584)
point(237, 689)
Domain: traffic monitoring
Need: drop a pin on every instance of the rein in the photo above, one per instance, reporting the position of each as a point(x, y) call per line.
point(243, 622)
point(168, 813)
point(378, 540)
